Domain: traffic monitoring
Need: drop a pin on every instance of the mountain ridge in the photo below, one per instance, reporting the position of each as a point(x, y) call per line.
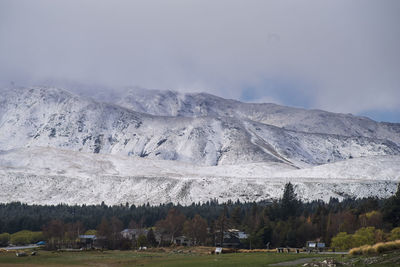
point(109, 126)
point(202, 147)
point(256, 110)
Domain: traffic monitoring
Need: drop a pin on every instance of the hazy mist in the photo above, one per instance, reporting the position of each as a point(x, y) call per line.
point(340, 56)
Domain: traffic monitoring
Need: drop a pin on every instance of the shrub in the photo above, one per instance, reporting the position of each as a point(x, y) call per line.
point(387, 246)
point(342, 241)
point(395, 234)
point(142, 241)
point(4, 239)
point(25, 237)
point(91, 232)
point(364, 236)
point(376, 249)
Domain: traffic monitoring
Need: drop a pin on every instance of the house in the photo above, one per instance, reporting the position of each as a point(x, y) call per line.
point(232, 238)
point(133, 234)
point(314, 246)
point(92, 241)
point(162, 238)
point(87, 241)
point(183, 241)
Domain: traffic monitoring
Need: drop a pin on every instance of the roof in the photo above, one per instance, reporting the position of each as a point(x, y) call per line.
point(134, 231)
point(242, 235)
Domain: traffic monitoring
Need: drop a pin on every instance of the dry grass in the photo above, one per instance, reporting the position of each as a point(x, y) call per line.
point(181, 249)
point(7, 251)
point(258, 250)
point(376, 249)
point(252, 250)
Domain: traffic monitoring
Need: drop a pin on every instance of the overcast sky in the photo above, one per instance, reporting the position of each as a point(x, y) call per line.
point(341, 56)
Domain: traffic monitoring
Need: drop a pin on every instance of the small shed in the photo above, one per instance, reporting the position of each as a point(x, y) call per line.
point(314, 246)
point(183, 241)
point(87, 241)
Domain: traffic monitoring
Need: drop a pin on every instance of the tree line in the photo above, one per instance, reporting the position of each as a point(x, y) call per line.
point(285, 222)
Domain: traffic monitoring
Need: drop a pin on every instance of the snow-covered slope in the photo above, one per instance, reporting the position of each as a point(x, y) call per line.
point(51, 176)
point(56, 118)
point(155, 146)
point(170, 103)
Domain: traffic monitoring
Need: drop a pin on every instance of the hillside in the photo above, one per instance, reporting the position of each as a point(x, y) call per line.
point(51, 176)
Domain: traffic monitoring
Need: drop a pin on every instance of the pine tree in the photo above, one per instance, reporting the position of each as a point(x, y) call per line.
point(236, 217)
point(391, 209)
point(151, 238)
point(289, 202)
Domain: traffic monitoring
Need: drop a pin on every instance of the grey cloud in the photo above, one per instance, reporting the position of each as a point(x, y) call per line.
point(346, 51)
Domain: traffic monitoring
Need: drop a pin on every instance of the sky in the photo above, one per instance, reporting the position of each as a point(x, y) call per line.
point(340, 56)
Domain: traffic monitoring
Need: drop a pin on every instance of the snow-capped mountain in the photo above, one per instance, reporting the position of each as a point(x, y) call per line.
point(165, 134)
point(170, 103)
point(56, 118)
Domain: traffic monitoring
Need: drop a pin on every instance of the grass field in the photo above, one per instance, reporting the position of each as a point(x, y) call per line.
point(131, 258)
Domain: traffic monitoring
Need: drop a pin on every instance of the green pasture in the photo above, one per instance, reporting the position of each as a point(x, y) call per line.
point(132, 258)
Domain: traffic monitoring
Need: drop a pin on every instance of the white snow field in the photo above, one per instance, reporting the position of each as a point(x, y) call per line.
point(162, 146)
point(51, 176)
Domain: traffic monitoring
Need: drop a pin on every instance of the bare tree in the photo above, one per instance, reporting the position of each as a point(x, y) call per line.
point(222, 225)
point(196, 229)
point(173, 223)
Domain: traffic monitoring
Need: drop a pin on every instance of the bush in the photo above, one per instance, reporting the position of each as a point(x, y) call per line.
point(26, 237)
point(376, 249)
point(342, 241)
point(364, 236)
point(91, 232)
point(395, 234)
point(360, 239)
point(388, 246)
point(4, 239)
point(356, 251)
point(142, 241)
